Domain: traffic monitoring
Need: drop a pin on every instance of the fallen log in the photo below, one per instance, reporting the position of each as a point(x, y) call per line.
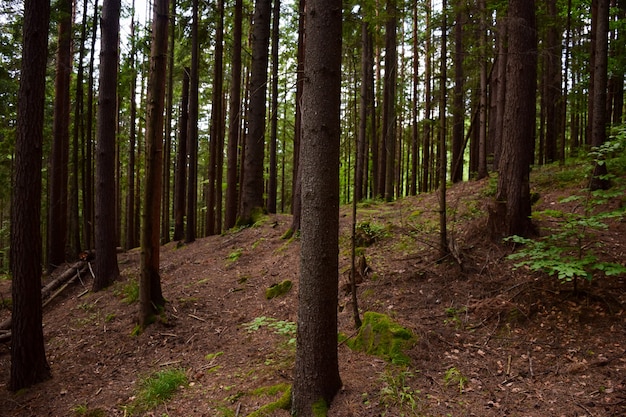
point(72, 272)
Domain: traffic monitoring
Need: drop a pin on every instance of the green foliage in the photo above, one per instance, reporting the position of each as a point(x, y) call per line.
point(367, 233)
point(276, 290)
point(396, 391)
point(282, 327)
point(283, 403)
point(156, 389)
point(381, 336)
point(454, 377)
point(570, 251)
point(129, 291)
point(234, 255)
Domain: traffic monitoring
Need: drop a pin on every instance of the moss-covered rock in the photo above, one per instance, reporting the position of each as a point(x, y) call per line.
point(277, 290)
point(381, 336)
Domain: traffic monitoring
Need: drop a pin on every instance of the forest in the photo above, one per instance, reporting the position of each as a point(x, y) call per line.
point(133, 133)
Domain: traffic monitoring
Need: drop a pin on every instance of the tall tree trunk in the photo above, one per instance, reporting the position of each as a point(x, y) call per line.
point(511, 214)
point(28, 356)
point(167, 151)
point(216, 122)
point(88, 180)
point(296, 188)
point(443, 151)
point(389, 97)
point(360, 177)
point(482, 136)
point(426, 152)
point(600, 77)
point(234, 122)
point(79, 131)
point(192, 130)
point(252, 188)
point(500, 87)
point(316, 376)
point(106, 266)
point(272, 186)
point(552, 63)
point(458, 106)
point(180, 176)
point(57, 212)
point(129, 241)
point(415, 107)
point(150, 294)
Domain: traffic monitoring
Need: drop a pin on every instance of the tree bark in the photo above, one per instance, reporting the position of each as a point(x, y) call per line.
point(106, 267)
point(28, 356)
point(316, 377)
point(272, 184)
point(192, 130)
point(57, 212)
point(234, 122)
point(150, 294)
point(180, 176)
point(511, 214)
point(252, 189)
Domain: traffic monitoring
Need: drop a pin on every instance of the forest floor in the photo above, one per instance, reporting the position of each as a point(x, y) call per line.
point(491, 340)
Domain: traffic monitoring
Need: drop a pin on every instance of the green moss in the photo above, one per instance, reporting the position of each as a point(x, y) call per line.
point(319, 408)
point(283, 403)
point(277, 290)
point(381, 336)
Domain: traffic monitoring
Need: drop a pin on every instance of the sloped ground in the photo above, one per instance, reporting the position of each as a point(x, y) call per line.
point(492, 341)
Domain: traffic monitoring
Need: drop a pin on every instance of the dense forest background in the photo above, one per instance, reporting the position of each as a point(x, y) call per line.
point(399, 77)
point(134, 125)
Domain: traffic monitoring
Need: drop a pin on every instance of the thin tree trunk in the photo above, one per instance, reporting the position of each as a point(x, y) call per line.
point(272, 187)
point(130, 197)
point(180, 176)
point(389, 97)
point(192, 130)
point(443, 151)
point(458, 107)
point(57, 210)
point(234, 126)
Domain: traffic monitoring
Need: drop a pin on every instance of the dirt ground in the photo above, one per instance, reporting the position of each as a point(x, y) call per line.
point(491, 340)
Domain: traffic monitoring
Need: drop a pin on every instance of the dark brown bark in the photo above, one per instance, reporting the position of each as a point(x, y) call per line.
point(482, 132)
point(192, 130)
point(272, 184)
point(443, 152)
point(414, 107)
point(458, 105)
point(216, 123)
point(28, 356)
point(600, 77)
point(57, 211)
point(130, 241)
point(87, 168)
point(150, 294)
point(180, 176)
point(252, 187)
point(360, 179)
point(511, 214)
point(296, 200)
point(167, 146)
point(234, 122)
point(552, 79)
point(316, 376)
point(426, 148)
point(106, 268)
point(389, 98)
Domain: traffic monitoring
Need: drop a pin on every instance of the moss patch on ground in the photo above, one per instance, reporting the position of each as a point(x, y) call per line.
point(379, 335)
point(277, 290)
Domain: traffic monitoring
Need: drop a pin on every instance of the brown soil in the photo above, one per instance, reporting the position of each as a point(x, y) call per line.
point(492, 341)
